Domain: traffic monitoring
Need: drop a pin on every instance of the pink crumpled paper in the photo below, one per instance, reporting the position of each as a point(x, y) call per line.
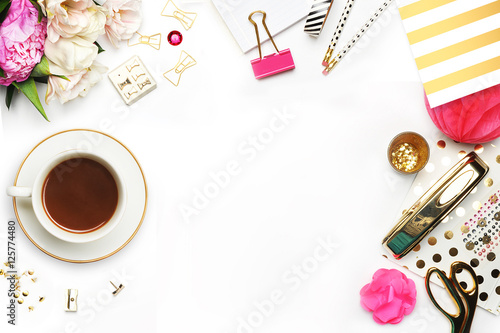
point(390, 296)
point(472, 119)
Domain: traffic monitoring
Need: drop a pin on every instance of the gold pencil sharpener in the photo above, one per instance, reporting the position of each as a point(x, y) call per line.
point(408, 152)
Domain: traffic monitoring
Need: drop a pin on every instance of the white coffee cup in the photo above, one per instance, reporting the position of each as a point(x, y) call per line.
point(36, 193)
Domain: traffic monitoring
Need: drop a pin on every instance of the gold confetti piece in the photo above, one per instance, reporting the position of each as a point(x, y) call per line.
point(30, 308)
point(461, 154)
point(20, 301)
point(448, 234)
point(31, 272)
point(488, 182)
point(2, 272)
point(25, 293)
point(6, 264)
point(41, 299)
point(34, 279)
point(16, 295)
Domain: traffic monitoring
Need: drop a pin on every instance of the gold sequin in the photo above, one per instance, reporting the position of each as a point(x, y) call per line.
point(41, 299)
point(2, 272)
point(31, 272)
point(453, 252)
point(491, 256)
point(442, 144)
point(30, 308)
point(420, 264)
point(436, 257)
point(20, 301)
point(25, 293)
point(448, 234)
point(498, 158)
point(469, 246)
point(432, 241)
point(481, 223)
point(488, 182)
point(16, 295)
point(417, 248)
point(464, 229)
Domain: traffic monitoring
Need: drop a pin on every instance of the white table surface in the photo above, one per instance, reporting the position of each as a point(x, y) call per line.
point(321, 175)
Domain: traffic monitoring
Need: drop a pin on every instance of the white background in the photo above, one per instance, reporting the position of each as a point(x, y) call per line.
point(324, 175)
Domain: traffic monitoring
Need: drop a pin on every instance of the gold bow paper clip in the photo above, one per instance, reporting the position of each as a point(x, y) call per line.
point(153, 40)
point(174, 75)
point(186, 18)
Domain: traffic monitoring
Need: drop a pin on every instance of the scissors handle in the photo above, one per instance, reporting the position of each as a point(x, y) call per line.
point(468, 295)
point(457, 319)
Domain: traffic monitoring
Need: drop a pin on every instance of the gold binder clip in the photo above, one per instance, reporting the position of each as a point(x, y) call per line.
point(174, 75)
point(154, 40)
point(186, 18)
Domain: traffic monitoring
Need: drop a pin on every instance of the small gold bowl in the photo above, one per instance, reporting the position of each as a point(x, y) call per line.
point(408, 152)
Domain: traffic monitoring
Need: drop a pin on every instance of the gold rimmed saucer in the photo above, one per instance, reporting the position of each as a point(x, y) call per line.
point(135, 211)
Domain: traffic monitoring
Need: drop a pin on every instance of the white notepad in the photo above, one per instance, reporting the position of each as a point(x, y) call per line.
point(280, 15)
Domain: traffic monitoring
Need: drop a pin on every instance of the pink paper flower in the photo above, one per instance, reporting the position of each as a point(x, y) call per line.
point(471, 119)
point(390, 295)
point(22, 41)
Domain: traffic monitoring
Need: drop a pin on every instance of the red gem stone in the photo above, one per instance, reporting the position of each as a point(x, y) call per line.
point(174, 38)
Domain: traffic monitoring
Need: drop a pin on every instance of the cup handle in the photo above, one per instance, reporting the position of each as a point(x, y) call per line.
point(19, 191)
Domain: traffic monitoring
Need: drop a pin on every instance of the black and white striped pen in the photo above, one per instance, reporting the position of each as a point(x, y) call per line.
point(333, 62)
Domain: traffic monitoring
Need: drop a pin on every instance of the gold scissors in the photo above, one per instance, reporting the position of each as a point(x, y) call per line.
point(465, 299)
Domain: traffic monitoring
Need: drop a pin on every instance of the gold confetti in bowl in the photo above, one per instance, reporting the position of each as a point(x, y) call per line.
point(408, 152)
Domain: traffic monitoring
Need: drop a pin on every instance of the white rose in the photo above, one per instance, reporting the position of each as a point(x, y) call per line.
point(124, 18)
point(70, 55)
point(78, 84)
point(69, 18)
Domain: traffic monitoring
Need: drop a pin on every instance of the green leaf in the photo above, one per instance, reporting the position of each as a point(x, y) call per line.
point(39, 9)
point(4, 9)
point(28, 88)
point(2, 73)
point(99, 48)
point(9, 95)
point(42, 68)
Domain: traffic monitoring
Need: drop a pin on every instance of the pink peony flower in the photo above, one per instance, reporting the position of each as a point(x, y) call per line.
point(390, 295)
point(123, 20)
point(22, 41)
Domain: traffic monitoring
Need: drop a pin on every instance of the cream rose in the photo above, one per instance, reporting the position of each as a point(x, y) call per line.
point(78, 84)
point(70, 55)
point(69, 18)
point(123, 19)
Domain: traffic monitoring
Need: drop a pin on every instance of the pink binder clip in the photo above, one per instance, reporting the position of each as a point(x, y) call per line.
point(271, 64)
